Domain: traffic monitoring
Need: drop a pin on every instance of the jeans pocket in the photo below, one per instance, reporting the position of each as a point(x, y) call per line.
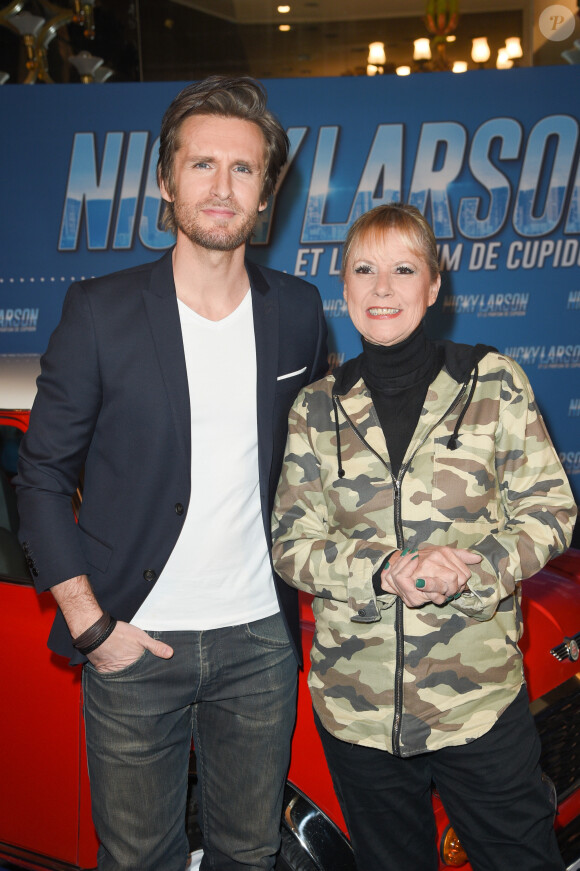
point(121, 672)
point(269, 631)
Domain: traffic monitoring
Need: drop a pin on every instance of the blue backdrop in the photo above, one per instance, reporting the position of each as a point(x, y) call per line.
point(492, 159)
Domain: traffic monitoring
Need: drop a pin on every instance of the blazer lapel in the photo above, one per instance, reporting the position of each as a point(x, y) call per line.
point(161, 306)
point(265, 305)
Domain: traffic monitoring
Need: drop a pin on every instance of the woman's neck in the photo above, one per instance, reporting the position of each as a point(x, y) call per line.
point(393, 367)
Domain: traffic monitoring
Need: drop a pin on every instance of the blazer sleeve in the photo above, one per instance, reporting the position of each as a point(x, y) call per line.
point(54, 448)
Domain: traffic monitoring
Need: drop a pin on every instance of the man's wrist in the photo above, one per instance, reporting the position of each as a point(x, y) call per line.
point(95, 635)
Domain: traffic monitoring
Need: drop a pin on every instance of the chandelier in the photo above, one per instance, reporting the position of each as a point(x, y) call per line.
point(37, 31)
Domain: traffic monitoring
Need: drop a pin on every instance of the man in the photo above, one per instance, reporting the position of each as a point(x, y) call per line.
point(170, 384)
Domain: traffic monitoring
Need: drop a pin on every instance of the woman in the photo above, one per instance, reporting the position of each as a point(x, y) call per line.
point(419, 487)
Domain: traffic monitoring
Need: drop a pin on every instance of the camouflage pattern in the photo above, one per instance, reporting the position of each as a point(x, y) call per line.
point(502, 493)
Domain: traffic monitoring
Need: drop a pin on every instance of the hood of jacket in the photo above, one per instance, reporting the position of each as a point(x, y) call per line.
point(459, 360)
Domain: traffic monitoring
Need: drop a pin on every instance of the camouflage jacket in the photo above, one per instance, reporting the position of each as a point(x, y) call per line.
point(480, 472)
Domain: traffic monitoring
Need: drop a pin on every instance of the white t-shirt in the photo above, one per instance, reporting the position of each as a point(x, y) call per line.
point(219, 572)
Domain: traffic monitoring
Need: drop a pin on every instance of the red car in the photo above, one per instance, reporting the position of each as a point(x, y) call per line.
point(45, 820)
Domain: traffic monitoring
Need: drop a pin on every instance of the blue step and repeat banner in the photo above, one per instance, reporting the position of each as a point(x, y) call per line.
point(491, 157)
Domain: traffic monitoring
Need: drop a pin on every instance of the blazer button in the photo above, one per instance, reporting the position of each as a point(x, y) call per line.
point(150, 575)
point(178, 508)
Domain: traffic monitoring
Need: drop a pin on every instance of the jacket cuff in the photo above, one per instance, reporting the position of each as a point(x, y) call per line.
point(377, 576)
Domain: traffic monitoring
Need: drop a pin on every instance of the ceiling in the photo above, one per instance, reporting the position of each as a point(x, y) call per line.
point(326, 37)
point(185, 40)
point(264, 11)
point(331, 37)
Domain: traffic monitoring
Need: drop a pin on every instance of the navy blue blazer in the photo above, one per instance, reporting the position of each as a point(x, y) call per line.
point(113, 399)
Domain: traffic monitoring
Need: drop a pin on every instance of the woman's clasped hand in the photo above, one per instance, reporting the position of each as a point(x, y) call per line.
point(428, 574)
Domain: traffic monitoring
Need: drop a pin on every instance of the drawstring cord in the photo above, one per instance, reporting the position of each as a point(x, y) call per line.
point(452, 443)
point(341, 471)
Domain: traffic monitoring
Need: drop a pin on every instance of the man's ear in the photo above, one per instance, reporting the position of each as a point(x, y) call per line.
point(164, 192)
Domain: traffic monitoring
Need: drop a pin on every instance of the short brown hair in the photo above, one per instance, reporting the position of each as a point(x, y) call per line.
point(407, 220)
point(236, 97)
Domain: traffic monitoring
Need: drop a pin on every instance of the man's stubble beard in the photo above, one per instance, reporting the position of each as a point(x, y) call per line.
point(216, 238)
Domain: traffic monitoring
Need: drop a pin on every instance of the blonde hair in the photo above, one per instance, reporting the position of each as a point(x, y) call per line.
point(406, 220)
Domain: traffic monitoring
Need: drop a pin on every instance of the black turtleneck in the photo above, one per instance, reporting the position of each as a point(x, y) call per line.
point(398, 377)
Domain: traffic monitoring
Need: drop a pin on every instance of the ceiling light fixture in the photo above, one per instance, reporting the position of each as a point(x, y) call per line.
point(86, 65)
point(503, 61)
point(377, 54)
point(421, 49)
point(513, 47)
point(480, 50)
point(441, 20)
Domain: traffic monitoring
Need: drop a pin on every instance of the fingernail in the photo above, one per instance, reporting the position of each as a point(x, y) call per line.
point(413, 550)
point(451, 598)
point(414, 557)
point(419, 583)
point(386, 565)
point(405, 552)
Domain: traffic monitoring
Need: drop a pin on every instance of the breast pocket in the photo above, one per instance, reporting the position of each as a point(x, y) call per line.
point(465, 485)
point(291, 381)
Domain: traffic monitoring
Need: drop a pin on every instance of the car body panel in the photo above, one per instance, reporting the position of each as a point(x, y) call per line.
point(45, 801)
point(550, 607)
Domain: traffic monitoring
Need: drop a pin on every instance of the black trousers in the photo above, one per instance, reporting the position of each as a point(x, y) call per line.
point(491, 789)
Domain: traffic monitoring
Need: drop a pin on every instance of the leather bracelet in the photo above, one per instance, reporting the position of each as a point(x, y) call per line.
point(92, 637)
point(86, 650)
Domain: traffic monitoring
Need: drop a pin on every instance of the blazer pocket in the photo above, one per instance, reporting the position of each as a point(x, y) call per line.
point(291, 374)
point(96, 553)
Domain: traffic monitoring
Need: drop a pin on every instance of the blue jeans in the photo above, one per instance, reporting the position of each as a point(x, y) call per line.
point(235, 690)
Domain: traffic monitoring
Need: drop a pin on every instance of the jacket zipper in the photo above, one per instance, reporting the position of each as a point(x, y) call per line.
point(399, 612)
